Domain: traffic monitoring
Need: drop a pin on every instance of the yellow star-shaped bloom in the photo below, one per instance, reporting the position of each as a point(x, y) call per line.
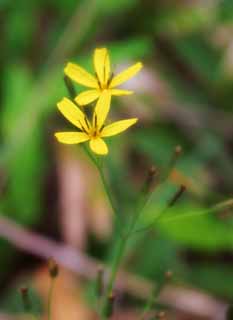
point(103, 79)
point(92, 131)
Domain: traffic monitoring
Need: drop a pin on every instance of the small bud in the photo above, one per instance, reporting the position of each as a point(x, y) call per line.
point(168, 275)
point(110, 305)
point(152, 174)
point(25, 299)
point(177, 196)
point(178, 150)
point(100, 281)
point(172, 162)
point(161, 315)
point(53, 268)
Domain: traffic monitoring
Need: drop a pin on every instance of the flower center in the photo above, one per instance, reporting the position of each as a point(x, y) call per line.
point(104, 87)
point(94, 134)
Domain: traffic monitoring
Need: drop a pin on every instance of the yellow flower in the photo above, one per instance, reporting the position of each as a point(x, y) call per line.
point(103, 79)
point(91, 131)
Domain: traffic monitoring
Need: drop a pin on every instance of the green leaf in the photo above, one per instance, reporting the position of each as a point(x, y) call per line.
point(185, 19)
point(213, 277)
point(115, 7)
point(226, 11)
point(186, 225)
point(12, 301)
point(24, 170)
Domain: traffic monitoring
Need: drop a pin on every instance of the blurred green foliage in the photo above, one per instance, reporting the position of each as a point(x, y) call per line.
point(187, 48)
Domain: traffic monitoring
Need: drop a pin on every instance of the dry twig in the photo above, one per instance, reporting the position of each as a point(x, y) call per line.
point(187, 300)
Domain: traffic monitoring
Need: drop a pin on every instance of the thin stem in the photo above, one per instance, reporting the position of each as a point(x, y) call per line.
point(120, 253)
point(152, 298)
point(115, 266)
point(148, 306)
point(123, 240)
point(215, 208)
point(120, 250)
point(99, 167)
point(150, 225)
point(102, 176)
point(50, 296)
point(107, 189)
point(116, 262)
point(27, 305)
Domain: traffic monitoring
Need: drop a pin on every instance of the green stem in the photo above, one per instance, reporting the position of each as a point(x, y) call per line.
point(107, 190)
point(118, 257)
point(120, 250)
point(50, 295)
point(152, 299)
point(116, 262)
point(103, 179)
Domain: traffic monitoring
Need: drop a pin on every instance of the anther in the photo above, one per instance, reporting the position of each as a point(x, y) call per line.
point(95, 120)
point(86, 122)
point(110, 79)
point(98, 80)
point(83, 129)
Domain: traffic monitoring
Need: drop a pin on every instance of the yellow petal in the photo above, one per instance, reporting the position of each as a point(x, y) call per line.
point(119, 92)
point(102, 108)
point(102, 65)
point(98, 146)
point(87, 97)
point(71, 137)
point(80, 75)
point(125, 75)
point(117, 127)
point(72, 113)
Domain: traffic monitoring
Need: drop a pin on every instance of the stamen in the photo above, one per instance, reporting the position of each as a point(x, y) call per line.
point(83, 129)
point(86, 122)
point(95, 120)
point(101, 128)
point(98, 80)
point(110, 79)
point(104, 66)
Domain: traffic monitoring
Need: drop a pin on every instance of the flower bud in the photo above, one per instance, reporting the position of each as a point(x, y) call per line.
point(177, 196)
point(25, 299)
point(110, 305)
point(53, 268)
point(149, 183)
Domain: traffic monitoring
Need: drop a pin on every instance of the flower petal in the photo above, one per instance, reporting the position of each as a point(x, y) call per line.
point(80, 75)
point(125, 75)
point(71, 137)
point(98, 146)
point(119, 92)
point(87, 97)
point(102, 65)
point(72, 113)
point(117, 127)
point(102, 108)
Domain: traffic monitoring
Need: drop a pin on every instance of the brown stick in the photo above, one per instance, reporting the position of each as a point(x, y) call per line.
point(187, 300)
